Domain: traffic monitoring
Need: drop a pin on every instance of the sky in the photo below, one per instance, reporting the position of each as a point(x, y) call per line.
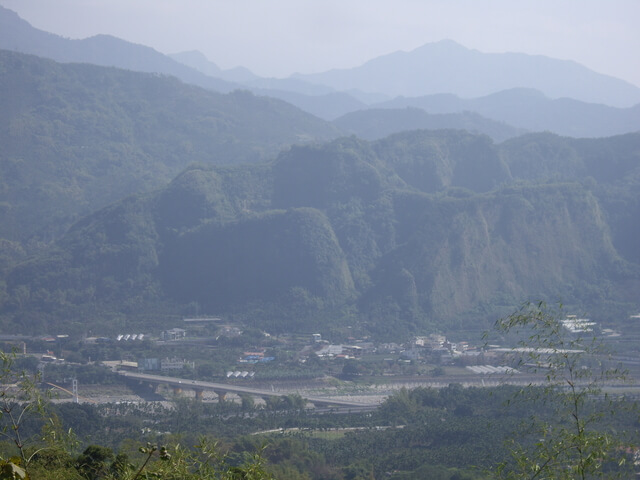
point(275, 38)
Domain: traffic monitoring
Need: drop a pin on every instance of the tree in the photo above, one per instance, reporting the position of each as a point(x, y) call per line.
point(95, 462)
point(248, 404)
point(571, 439)
point(351, 367)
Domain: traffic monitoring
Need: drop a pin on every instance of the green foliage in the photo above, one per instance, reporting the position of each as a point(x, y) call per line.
point(33, 433)
point(11, 470)
point(571, 443)
point(290, 402)
point(16, 409)
point(204, 462)
point(95, 461)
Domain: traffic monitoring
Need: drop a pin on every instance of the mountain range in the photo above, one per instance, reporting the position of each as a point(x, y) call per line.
point(146, 187)
point(448, 67)
point(540, 93)
point(531, 110)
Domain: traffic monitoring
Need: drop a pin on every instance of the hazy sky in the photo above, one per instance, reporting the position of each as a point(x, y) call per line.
point(280, 37)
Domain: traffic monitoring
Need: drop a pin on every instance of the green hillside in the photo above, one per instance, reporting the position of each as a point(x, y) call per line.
point(77, 137)
point(375, 123)
point(422, 229)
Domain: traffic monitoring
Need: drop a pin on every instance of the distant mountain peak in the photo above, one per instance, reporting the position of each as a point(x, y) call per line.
point(199, 61)
point(448, 67)
point(444, 43)
point(193, 54)
point(107, 39)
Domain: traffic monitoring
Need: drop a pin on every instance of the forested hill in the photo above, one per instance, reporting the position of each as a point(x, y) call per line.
point(77, 137)
point(375, 123)
point(414, 231)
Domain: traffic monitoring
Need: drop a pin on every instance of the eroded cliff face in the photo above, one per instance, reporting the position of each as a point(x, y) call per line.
point(540, 241)
point(537, 241)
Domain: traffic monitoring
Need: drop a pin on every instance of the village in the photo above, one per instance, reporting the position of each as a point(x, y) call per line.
point(210, 349)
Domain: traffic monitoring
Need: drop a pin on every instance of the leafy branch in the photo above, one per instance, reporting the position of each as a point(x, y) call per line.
point(572, 443)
